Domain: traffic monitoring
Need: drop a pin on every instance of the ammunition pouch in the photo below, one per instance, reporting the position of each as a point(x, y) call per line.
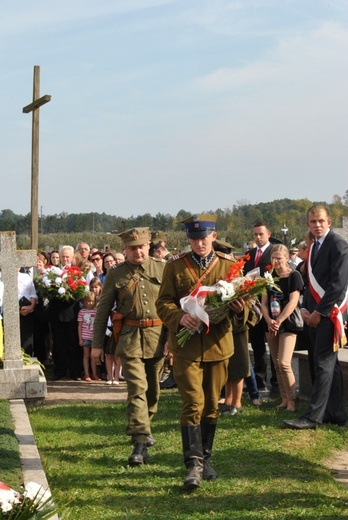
point(117, 322)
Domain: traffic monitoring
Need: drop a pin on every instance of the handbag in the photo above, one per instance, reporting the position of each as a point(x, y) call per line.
point(294, 322)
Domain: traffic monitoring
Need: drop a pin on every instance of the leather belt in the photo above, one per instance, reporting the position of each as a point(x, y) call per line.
point(147, 322)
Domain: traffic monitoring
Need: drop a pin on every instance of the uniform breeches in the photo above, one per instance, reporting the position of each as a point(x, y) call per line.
point(199, 384)
point(142, 377)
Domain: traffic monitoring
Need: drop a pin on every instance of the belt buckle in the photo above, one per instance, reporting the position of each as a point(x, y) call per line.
point(143, 323)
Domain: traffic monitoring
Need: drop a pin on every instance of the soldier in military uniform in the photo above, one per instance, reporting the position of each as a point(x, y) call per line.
point(134, 286)
point(158, 245)
point(200, 367)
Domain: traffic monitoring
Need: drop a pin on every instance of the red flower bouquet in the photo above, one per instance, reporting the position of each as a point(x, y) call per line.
point(63, 284)
point(211, 304)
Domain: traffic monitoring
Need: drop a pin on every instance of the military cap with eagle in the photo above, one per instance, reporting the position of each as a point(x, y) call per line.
point(199, 226)
point(135, 236)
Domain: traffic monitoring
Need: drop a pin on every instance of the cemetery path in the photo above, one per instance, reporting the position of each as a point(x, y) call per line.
point(67, 391)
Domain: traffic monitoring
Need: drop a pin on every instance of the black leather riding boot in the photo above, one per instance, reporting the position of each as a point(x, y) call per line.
point(139, 454)
point(208, 433)
point(193, 455)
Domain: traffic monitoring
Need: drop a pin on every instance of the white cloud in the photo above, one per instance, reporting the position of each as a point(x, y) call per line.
point(296, 54)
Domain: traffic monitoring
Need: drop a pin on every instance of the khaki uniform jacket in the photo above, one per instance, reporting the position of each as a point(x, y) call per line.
point(177, 283)
point(126, 284)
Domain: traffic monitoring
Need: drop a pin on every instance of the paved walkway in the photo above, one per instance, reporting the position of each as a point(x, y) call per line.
point(67, 391)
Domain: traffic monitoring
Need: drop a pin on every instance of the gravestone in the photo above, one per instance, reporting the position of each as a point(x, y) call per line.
point(17, 381)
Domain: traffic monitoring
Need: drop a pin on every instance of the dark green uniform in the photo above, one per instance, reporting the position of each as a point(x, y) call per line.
point(135, 288)
point(200, 367)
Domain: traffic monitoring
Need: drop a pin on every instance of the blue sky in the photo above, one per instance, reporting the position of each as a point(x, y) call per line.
point(162, 105)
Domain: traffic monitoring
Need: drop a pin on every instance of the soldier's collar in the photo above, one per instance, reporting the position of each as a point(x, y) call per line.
point(203, 263)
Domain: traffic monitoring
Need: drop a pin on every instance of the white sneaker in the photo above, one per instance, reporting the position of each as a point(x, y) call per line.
point(115, 382)
point(109, 382)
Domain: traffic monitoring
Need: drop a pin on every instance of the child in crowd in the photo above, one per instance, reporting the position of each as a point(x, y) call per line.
point(85, 320)
point(96, 287)
point(112, 363)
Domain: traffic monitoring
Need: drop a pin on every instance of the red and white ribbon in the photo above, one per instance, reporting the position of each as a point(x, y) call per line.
point(339, 339)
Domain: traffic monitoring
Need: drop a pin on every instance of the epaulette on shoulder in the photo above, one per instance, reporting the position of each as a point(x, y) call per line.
point(224, 255)
point(160, 260)
point(176, 257)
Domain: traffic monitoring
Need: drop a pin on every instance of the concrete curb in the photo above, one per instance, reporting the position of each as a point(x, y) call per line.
point(29, 455)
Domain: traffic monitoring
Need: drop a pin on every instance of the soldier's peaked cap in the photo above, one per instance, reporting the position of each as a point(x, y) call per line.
point(135, 236)
point(224, 247)
point(158, 236)
point(199, 226)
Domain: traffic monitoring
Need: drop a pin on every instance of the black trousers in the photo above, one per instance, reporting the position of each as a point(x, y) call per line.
point(327, 400)
point(258, 344)
point(66, 352)
point(27, 333)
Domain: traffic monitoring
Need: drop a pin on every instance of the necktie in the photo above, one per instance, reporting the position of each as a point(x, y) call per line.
point(315, 249)
point(257, 257)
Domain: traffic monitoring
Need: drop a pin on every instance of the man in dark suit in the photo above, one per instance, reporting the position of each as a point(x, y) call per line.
point(323, 309)
point(260, 256)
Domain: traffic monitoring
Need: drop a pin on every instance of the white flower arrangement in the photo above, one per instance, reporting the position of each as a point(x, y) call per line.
point(33, 503)
point(210, 304)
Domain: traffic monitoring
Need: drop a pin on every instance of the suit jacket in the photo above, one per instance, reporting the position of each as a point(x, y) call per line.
point(330, 269)
point(263, 262)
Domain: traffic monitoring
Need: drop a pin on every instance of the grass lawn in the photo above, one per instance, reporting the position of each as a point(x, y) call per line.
point(10, 466)
point(265, 472)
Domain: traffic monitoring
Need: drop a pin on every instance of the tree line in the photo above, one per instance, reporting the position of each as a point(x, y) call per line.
point(234, 224)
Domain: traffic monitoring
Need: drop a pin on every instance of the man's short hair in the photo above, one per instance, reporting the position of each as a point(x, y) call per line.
point(261, 224)
point(317, 208)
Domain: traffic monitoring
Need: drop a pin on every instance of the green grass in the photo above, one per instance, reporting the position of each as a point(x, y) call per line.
point(265, 472)
point(10, 467)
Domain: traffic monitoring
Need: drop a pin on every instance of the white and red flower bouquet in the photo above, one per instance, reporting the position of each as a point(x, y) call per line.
point(211, 304)
point(33, 503)
point(67, 283)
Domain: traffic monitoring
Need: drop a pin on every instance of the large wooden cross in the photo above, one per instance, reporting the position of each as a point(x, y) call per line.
point(34, 108)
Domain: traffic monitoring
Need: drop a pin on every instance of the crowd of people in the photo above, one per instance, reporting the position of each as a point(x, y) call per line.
point(59, 332)
point(132, 313)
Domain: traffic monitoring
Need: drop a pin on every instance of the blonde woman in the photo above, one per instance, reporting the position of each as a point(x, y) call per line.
point(276, 307)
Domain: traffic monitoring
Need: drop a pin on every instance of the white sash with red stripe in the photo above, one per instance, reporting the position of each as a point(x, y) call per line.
point(339, 339)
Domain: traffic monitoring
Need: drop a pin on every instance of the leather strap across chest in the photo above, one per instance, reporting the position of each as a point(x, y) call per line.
point(204, 275)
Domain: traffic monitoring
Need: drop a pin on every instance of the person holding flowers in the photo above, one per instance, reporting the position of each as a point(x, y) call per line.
point(200, 366)
point(276, 308)
point(63, 287)
point(239, 366)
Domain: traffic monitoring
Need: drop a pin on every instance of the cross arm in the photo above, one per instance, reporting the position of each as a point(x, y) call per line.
point(37, 104)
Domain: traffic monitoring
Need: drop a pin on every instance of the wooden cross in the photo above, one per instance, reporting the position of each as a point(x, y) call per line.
point(10, 260)
point(34, 108)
